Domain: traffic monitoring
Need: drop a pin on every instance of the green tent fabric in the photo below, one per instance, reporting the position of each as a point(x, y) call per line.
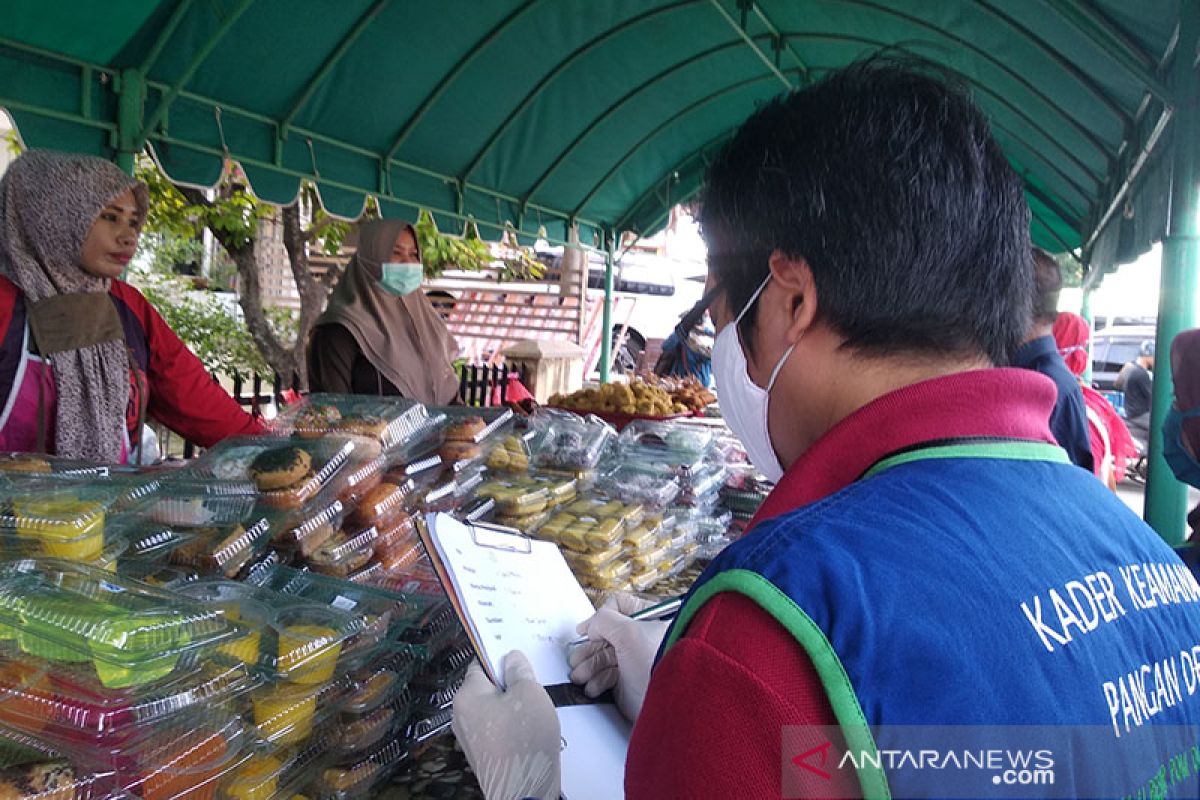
point(538, 112)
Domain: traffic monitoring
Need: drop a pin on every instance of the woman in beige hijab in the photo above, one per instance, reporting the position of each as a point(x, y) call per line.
point(380, 334)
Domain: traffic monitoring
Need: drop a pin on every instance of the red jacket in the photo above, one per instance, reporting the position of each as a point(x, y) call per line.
point(178, 391)
point(712, 723)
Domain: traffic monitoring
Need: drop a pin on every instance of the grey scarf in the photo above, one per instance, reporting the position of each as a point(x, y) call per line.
point(48, 202)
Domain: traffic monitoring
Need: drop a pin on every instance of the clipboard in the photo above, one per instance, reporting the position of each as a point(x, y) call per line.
point(531, 574)
point(510, 592)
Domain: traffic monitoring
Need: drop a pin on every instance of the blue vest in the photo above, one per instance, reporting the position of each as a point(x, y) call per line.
point(986, 584)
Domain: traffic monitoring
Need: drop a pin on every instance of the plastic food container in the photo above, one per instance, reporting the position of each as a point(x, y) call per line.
point(645, 535)
point(66, 704)
point(357, 780)
point(360, 477)
point(286, 714)
point(470, 434)
point(187, 501)
point(302, 640)
point(515, 498)
point(511, 454)
point(345, 553)
point(422, 470)
point(383, 504)
point(18, 464)
point(593, 562)
point(275, 772)
point(187, 763)
point(303, 532)
point(568, 441)
point(55, 519)
point(583, 533)
point(129, 633)
point(155, 574)
point(382, 681)
point(287, 473)
point(675, 442)
point(353, 736)
point(614, 577)
point(562, 489)
point(390, 422)
point(626, 482)
point(221, 549)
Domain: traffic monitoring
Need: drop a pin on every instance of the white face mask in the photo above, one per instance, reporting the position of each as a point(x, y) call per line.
point(744, 403)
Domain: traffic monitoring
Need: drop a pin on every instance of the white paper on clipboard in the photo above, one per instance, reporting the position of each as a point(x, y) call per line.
point(517, 594)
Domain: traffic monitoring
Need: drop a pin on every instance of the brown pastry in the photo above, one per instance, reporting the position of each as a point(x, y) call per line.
point(466, 429)
point(280, 468)
point(52, 780)
point(456, 450)
point(21, 462)
point(382, 503)
point(363, 425)
point(317, 420)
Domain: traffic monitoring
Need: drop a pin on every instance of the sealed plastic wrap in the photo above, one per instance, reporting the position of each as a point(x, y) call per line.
point(701, 487)
point(287, 473)
point(568, 441)
point(593, 562)
point(511, 454)
point(221, 549)
point(625, 481)
point(472, 433)
point(613, 577)
point(744, 492)
point(671, 442)
point(515, 497)
point(561, 488)
point(359, 779)
point(582, 533)
point(130, 634)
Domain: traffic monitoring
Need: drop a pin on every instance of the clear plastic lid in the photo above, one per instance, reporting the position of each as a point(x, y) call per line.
point(472, 433)
point(37, 772)
point(183, 500)
point(627, 482)
point(155, 574)
point(515, 497)
point(358, 780)
point(287, 714)
point(303, 531)
point(392, 422)
point(511, 454)
point(345, 553)
point(427, 727)
point(360, 477)
point(383, 504)
point(188, 762)
point(55, 519)
point(130, 633)
point(568, 441)
point(383, 680)
point(275, 772)
point(353, 736)
point(583, 533)
point(300, 641)
point(222, 549)
point(17, 464)
point(67, 704)
point(287, 473)
point(673, 441)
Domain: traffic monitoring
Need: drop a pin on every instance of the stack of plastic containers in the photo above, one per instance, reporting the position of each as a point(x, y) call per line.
point(129, 684)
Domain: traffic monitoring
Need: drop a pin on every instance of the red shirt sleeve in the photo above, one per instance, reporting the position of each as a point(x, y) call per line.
point(183, 395)
point(712, 723)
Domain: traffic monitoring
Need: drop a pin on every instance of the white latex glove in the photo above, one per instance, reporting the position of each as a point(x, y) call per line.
point(618, 654)
point(511, 737)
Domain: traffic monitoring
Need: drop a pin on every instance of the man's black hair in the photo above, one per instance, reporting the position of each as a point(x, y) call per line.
point(1047, 285)
point(887, 181)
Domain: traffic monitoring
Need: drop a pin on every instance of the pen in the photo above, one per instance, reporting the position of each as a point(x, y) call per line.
point(658, 611)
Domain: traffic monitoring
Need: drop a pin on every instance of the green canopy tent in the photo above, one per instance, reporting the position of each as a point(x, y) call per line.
point(604, 113)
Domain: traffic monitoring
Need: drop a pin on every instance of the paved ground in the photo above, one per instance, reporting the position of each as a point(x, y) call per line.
point(1134, 496)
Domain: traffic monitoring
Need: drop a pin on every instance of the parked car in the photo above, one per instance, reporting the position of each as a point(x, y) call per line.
point(1113, 348)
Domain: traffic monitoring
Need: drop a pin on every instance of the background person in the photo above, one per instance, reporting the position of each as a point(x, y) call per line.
point(380, 334)
point(84, 359)
point(871, 245)
point(1112, 446)
point(1136, 380)
point(1068, 421)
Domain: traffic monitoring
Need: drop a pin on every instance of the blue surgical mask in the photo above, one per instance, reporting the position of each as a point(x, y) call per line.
point(401, 278)
point(1182, 463)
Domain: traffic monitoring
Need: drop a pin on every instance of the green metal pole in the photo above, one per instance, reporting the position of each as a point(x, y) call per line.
point(129, 117)
point(606, 321)
point(1085, 311)
point(1166, 498)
